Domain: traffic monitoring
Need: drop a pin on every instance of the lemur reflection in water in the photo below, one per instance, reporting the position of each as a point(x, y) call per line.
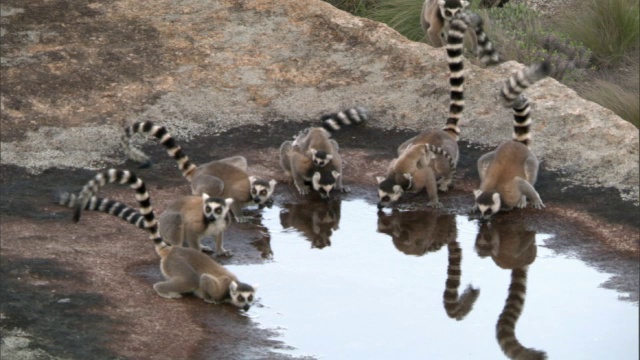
point(422, 232)
point(511, 246)
point(315, 220)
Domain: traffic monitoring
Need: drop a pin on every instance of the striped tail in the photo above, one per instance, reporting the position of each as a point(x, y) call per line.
point(105, 205)
point(440, 151)
point(455, 47)
point(505, 328)
point(121, 177)
point(163, 136)
point(488, 54)
point(457, 307)
point(353, 116)
point(522, 120)
point(520, 80)
point(511, 95)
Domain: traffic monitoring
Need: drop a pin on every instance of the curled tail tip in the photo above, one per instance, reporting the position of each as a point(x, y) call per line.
point(543, 69)
point(76, 215)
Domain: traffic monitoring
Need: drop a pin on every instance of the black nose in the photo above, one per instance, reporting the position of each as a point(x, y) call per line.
point(256, 200)
point(246, 307)
point(380, 206)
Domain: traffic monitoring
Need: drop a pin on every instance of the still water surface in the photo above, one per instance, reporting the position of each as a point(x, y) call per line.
point(372, 287)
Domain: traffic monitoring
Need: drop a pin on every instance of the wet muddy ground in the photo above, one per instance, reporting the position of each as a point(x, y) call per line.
point(85, 290)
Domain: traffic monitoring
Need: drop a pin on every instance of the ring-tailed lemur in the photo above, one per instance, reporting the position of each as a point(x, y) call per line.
point(188, 219)
point(435, 20)
point(421, 232)
point(316, 221)
point(444, 143)
point(508, 174)
point(185, 270)
point(506, 325)
point(457, 307)
point(417, 232)
point(313, 157)
point(105, 205)
point(511, 246)
point(225, 178)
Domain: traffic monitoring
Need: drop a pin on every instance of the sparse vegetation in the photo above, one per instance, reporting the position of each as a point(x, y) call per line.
point(610, 28)
point(521, 35)
point(594, 46)
point(401, 15)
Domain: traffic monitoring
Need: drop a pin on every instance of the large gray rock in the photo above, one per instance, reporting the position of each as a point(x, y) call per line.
point(73, 78)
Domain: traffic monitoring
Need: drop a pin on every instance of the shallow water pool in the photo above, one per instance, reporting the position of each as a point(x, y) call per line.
point(373, 286)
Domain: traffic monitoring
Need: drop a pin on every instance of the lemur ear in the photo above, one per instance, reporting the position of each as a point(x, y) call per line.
point(477, 193)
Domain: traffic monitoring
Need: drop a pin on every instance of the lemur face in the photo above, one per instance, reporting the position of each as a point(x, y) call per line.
point(261, 190)
point(488, 204)
point(450, 8)
point(388, 192)
point(323, 182)
point(242, 295)
point(215, 208)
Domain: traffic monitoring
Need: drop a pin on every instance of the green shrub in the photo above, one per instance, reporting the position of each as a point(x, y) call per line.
point(617, 89)
point(520, 34)
point(593, 36)
point(355, 7)
point(401, 15)
point(610, 28)
point(612, 96)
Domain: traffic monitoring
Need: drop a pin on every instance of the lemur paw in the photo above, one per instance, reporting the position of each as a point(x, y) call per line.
point(224, 253)
point(538, 205)
point(169, 295)
point(242, 219)
point(434, 204)
point(345, 189)
point(205, 248)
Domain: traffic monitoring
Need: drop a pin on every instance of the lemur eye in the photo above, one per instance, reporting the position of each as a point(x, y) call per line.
point(240, 298)
point(207, 208)
point(263, 192)
point(385, 198)
point(250, 298)
point(218, 210)
point(253, 191)
point(447, 13)
point(488, 212)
